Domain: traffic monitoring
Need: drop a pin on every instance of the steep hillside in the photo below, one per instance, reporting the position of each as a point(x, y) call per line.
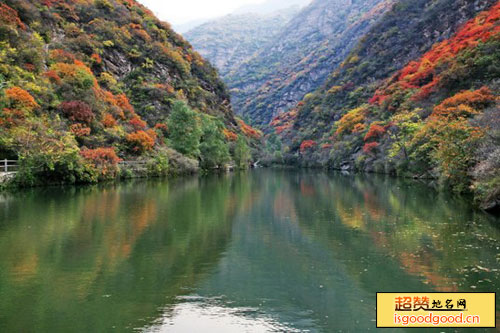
point(417, 96)
point(300, 58)
point(231, 40)
point(84, 83)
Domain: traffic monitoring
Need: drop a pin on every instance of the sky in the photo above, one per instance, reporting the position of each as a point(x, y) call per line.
point(183, 11)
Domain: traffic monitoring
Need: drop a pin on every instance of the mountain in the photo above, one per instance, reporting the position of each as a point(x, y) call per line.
point(417, 96)
point(301, 56)
point(231, 40)
point(182, 28)
point(270, 6)
point(84, 84)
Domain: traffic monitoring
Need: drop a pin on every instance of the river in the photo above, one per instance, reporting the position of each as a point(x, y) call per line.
point(263, 251)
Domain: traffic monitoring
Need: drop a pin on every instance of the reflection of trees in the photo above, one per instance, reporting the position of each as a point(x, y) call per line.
point(431, 235)
point(93, 258)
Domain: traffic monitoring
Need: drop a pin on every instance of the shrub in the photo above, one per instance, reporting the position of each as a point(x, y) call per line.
point(137, 123)
point(20, 99)
point(77, 111)
point(104, 160)
point(375, 131)
point(306, 145)
point(80, 130)
point(142, 141)
point(350, 120)
point(108, 121)
point(370, 147)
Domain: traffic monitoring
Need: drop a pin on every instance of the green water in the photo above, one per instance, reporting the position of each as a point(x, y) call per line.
point(264, 251)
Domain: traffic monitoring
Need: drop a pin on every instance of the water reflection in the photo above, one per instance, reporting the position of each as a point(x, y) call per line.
point(266, 251)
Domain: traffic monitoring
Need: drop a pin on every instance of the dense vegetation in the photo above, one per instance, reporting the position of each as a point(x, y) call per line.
point(85, 84)
point(418, 96)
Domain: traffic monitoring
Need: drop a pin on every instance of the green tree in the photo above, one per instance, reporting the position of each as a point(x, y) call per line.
point(214, 150)
point(185, 132)
point(241, 153)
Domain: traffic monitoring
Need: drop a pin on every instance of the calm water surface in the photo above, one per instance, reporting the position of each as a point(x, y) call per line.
point(264, 251)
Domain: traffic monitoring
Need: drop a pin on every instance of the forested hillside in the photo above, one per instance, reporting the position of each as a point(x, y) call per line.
point(298, 60)
point(417, 96)
point(86, 83)
point(233, 39)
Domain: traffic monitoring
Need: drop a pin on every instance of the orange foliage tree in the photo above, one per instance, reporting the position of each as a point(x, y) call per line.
point(137, 123)
point(104, 160)
point(306, 145)
point(108, 121)
point(230, 136)
point(21, 99)
point(351, 120)
point(464, 104)
point(249, 131)
point(375, 131)
point(142, 141)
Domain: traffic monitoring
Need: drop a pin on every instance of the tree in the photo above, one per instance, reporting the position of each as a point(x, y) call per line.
point(213, 148)
point(142, 141)
point(184, 130)
point(242, 154)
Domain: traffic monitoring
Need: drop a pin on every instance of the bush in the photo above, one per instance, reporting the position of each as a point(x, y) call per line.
point(158, 166)
point(77, 111)
point(142, 141)
point(104, 160)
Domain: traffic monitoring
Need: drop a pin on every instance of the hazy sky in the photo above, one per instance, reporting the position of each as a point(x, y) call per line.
point(182, 11)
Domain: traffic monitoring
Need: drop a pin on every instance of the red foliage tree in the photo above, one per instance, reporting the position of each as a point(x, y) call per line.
point(123, 103)
point(137, 123)
point(424, 73)
point(10, 16)
point(53, 77)
point(306, 145)
point(374, 132)
point(370, 147)
point(77, 111)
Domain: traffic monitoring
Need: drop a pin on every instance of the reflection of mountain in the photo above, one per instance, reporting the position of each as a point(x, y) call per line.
point(419, 229)
point(314, 249)
point(268, 249)
point(117, 254)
